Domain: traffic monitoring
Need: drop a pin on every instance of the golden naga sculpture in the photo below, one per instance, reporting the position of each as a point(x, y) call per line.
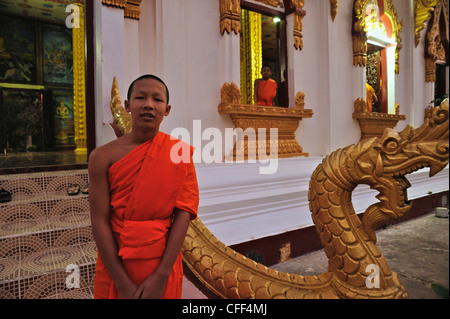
point(349, 244)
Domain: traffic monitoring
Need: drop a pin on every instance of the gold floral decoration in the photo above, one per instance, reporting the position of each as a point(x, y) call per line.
point(299, 14)
point(422, 13)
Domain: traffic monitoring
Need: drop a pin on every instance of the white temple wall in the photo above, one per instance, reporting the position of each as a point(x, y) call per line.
point(180, 42)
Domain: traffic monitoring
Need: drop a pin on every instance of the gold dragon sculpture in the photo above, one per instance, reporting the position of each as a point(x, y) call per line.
point(348, 241)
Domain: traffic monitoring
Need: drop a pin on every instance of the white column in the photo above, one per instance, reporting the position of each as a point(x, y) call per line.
point(110, 63)
point(231, 70)
point(132, 70)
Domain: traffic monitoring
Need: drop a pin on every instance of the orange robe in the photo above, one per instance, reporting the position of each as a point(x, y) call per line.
point(145, 187)
point(267, 90)
point(369, 96)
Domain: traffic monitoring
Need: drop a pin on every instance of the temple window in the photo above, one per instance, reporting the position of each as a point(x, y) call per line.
point(376, 35)
point(263, 42)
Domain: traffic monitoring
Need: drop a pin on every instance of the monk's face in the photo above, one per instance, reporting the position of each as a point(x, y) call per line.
point(148, 104)
point(266, 72)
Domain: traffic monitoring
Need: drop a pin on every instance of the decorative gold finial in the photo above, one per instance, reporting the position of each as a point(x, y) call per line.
point(122, 118)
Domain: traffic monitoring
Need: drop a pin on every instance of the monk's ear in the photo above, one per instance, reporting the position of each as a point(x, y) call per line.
point(168, 108)
point(127, 106)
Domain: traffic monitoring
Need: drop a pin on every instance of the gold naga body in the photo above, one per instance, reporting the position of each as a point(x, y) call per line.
point(349, 243)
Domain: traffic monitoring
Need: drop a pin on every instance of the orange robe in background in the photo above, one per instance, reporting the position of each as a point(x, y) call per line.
point(369, 96)
point(267, 90)
point(145, 187)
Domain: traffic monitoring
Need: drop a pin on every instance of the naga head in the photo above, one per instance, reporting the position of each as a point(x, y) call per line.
point(386, 160)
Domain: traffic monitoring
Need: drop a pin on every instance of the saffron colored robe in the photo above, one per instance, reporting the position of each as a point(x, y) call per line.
point(369, 96)
point(267, 90)
point(145, 187)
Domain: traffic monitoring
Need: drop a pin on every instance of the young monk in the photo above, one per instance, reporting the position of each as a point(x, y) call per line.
point(141, 202)
point(265, 88)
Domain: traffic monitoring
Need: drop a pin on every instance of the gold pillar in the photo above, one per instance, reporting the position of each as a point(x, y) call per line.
point(251, 54)
point(79, 82)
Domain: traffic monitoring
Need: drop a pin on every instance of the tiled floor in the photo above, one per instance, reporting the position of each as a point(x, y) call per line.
point(12, 163)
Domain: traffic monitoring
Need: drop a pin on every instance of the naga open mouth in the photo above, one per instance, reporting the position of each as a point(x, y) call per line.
point(401, 184)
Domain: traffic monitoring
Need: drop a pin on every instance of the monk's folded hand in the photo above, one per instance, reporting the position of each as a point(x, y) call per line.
point(152, 287)
point(126, 289)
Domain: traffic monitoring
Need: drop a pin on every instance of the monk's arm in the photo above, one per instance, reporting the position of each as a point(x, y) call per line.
point(99, 199)
point(153, 286)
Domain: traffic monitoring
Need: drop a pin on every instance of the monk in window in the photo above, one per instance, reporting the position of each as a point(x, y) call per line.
point(265, 88)
point(371, 97)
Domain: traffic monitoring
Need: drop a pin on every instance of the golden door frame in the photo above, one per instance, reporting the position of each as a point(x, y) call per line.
point(359, 36)
point(79, 83)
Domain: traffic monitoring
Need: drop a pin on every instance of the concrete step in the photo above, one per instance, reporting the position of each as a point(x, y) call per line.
point(46, 244)
point(43, 185)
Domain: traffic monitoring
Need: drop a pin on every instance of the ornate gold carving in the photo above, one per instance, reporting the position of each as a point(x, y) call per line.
point(300, 101)
point(133, 9)
point(359, 37)
point(373, 124)
point(334, 9)
point(79, 85)
point(437, 35)
point(422, 13)
point(273, 3)
point(245, 116)
point(230, 16)
point(430, 69)
point(115, 3)
point(122, 118)
point(230, 94)
point(299, 13)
